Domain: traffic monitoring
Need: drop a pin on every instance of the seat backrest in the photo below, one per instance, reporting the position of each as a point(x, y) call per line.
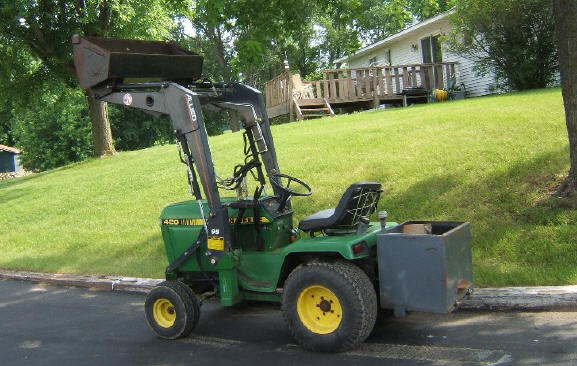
point(359, 200)
point(300, 90)
point(451, 83)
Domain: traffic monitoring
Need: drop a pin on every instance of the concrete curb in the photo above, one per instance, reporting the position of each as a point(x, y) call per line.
point(110, 283)
point(505, 298)
point(522, 298)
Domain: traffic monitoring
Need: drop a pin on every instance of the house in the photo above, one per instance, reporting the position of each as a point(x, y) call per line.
point(421, 44)
point(402, 69)
point(9, 162)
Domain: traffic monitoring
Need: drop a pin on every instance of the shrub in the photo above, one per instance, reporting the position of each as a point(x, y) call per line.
point(54, 130)
point(514, 38)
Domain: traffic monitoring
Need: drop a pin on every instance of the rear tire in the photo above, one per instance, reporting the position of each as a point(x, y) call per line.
point(172, 310)
point(329, 306)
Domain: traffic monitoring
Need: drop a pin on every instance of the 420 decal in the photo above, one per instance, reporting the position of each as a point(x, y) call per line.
point(199, 222)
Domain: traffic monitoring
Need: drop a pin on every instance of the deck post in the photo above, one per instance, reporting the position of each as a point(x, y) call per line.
point(439, 73)
point(289, 97)
point(381, 82)
point(405, 77)
point(376, 78)
point(333, 86)
point(389, 81)
point(351, 85)
point(397, 83)
point(422, 77)
point(326, 85)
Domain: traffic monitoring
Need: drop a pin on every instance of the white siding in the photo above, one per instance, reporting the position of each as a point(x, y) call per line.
point(402, 53)
point(475, 85)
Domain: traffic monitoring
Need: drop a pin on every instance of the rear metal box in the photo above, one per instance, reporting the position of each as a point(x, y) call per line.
point(426, 272)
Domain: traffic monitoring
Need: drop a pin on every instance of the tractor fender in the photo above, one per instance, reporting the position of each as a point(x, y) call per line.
point(330, 247)
point(341, 244)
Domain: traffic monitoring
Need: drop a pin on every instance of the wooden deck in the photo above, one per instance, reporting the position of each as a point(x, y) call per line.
point(355, 87)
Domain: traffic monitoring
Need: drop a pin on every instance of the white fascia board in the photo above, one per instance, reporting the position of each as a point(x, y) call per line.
point(395, 36)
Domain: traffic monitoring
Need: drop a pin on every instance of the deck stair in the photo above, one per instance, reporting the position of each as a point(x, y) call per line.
point(306, 105)
point(312, 108)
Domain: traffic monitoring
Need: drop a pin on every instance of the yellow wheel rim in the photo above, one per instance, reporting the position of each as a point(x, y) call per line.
point(164, 312)
point(319, 309)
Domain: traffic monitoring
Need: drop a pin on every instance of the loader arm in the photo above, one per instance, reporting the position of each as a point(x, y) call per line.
point(184, 108)
point(249, 102)
point(151, 76)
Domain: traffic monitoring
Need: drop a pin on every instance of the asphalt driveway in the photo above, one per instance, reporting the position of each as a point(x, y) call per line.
point(50, 325)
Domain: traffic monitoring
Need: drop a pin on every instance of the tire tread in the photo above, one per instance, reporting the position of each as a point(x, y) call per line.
point(191, 305)
point(355, 280)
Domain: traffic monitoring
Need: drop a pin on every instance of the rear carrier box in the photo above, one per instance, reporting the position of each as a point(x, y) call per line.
point(424, 266)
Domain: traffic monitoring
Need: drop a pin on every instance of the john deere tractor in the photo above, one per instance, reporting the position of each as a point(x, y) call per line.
point(326, 271)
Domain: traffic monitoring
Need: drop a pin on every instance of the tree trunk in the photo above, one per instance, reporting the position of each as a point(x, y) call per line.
point(566, 33)
point(234, 121)
point(101, 134)
point(216, 35)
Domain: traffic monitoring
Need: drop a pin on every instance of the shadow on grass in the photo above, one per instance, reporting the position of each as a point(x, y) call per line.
point(27, 178)
point(145, 258)
point(13, 194)
point(517, 240)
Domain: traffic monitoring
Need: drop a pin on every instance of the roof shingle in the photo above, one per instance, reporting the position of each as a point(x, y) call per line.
point(9, 149)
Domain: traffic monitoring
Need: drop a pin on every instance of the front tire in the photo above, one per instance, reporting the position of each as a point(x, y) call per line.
point(329, 306)
point(172, 310)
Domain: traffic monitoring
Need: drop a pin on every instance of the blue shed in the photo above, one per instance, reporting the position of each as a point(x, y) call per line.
point(9, 159)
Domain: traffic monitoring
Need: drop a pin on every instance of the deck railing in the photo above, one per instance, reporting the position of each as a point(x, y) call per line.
point(278, 90)
point(382, 82)
point(363, 83)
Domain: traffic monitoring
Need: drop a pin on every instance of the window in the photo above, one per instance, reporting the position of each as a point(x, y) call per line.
point(431, 50)
point(373, 61)
point(388, 60)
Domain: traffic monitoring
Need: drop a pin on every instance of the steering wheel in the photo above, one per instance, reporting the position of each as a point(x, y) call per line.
point(286, 191)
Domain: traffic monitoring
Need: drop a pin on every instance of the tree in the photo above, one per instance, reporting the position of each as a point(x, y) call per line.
point(249, 39)
point(514, 38)
point(212, 26)
point(134, 129)
point(338, 36)
point(379, 19)
point(423, 9)
point(264, 34)
point(53, 129)
point(44, 28)
point(566, 34)
point(14, 80)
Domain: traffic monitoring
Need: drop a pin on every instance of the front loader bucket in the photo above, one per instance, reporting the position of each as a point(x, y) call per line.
point(109, 61)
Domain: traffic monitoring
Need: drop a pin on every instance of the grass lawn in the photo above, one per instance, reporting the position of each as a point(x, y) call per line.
point(492, 161)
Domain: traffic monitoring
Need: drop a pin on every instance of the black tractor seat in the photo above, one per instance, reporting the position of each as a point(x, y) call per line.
point(359, 200)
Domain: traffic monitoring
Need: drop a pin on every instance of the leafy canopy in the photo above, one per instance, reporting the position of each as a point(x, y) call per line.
point(514, 38)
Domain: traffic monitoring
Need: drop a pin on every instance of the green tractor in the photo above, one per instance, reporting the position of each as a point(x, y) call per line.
point(324, 273)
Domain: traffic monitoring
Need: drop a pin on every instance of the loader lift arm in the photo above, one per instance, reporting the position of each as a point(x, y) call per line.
point(105, 66)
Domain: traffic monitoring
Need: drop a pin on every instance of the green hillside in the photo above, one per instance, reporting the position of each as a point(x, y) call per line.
point(492, 161)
